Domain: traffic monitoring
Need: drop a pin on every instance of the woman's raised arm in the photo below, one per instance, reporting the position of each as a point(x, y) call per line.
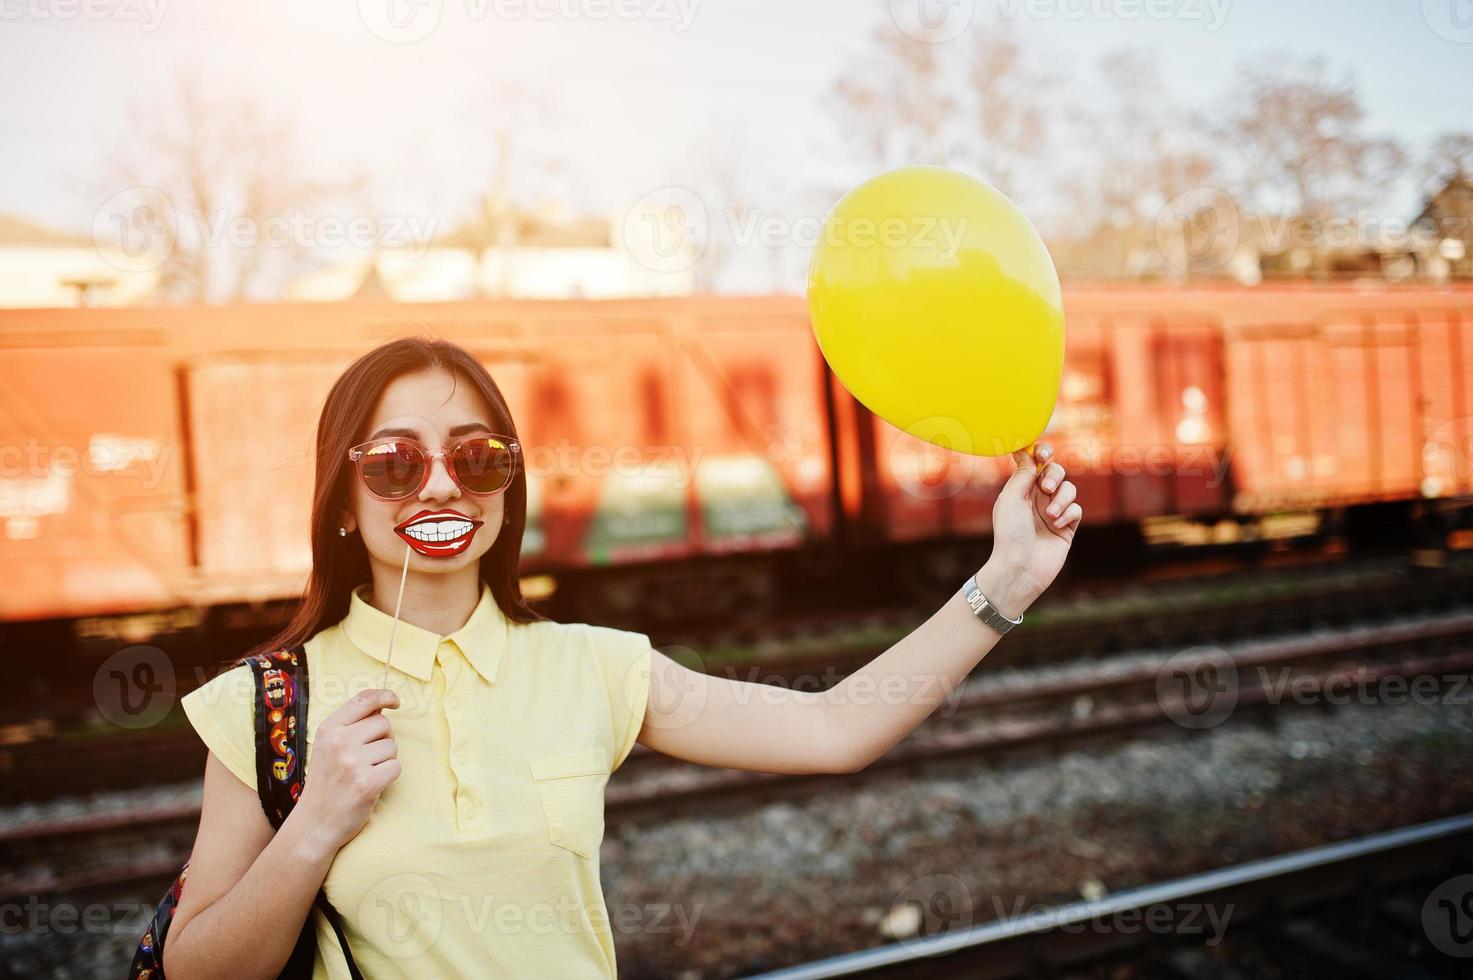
point(740, 725)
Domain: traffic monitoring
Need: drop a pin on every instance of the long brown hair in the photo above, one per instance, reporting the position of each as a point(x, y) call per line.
point(340, 564)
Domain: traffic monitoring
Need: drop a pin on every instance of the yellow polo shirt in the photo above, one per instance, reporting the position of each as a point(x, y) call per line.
point(482, 858)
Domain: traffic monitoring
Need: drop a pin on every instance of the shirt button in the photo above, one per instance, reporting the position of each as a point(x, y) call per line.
point(453, 702)
point(470, 812)
point(461, 757)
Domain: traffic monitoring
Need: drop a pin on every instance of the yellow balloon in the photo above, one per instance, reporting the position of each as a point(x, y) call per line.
point(937, 305)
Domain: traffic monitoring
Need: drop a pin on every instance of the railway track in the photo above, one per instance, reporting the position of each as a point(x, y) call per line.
point(815, 652)
point(1095, 702)
point(1388, 905)
point(1101, 702)
point(1237, 607)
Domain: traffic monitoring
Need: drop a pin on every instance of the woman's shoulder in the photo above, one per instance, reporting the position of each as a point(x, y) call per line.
point(579, 636)
point(222, 712)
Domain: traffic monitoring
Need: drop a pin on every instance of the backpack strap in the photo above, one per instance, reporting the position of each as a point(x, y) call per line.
point(281, 730)
point(281, 759)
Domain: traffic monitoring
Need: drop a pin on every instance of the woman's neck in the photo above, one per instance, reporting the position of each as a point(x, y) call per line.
point(440, 603)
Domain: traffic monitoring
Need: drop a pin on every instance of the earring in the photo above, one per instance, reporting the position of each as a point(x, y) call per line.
point(342, 532)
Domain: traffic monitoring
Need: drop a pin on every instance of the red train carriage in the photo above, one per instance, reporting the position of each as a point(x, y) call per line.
point(654, 432)
point(160, 459)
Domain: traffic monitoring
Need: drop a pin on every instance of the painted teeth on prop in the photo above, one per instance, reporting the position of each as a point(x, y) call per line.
point(444, 530)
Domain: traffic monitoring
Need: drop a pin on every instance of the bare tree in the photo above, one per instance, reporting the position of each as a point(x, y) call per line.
point(728, 210)
point(505, 114)
point(518, 175)
point(1300, 135)
point(979, 101)
point(896, 101)
point(1448, 168)
point(1011, 112)
point(216, 185)
point(1147, 150)
point(1449, 158)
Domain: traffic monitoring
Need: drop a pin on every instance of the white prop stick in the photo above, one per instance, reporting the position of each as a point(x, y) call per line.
point(389, 658)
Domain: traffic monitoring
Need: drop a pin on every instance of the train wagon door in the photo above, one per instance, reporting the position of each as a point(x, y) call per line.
point(1444, 355)
point(753, 395)
point(92, 515)
point(252, 424)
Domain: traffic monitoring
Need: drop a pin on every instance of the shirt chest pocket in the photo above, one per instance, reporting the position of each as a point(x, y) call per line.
point(570, 786)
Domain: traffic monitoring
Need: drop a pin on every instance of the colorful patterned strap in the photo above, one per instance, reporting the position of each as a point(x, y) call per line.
point(281, 729)
point(281, 759)
point(281, 753)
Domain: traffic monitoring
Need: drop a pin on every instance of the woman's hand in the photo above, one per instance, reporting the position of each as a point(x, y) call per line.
point(354, 758)
point(1033, 523)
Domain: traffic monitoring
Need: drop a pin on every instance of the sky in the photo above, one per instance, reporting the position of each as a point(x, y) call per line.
point(615, 99)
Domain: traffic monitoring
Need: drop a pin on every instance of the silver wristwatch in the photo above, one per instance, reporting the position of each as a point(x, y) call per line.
point(985, 610)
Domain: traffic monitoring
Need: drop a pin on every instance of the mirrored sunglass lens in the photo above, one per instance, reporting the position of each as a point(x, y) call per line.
point(392, 469)
point(483, 465)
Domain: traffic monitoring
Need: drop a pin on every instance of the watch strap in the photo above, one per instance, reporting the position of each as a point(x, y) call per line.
point(985, 610)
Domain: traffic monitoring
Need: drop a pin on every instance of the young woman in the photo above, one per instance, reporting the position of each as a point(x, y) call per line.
point(455, 806)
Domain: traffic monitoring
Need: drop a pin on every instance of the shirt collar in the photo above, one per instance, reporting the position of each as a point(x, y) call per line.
point(481, 640)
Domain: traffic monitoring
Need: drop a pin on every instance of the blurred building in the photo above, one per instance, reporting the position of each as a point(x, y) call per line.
point(1215, 241)
point(42, 266)
point(1450, 211)
point(514, 253)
